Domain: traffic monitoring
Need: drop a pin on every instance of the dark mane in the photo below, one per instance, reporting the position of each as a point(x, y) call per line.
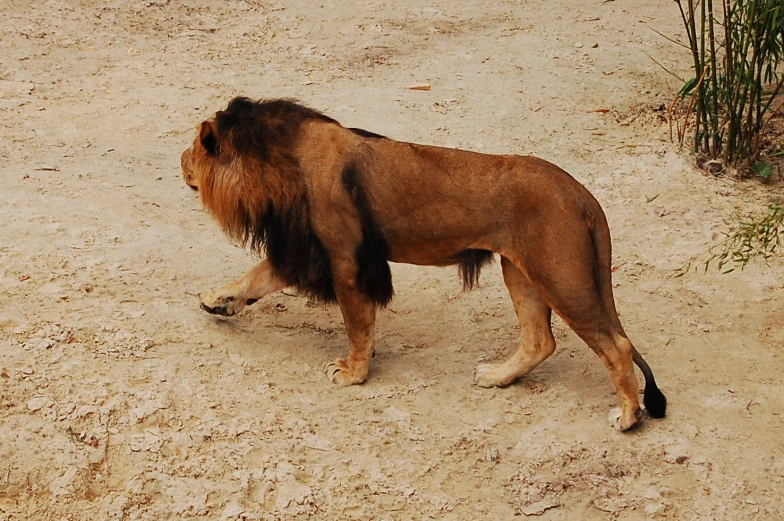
point(262, 200)
point(259, 128)
point(366, 133)
point(295, 251)
point(374, 277)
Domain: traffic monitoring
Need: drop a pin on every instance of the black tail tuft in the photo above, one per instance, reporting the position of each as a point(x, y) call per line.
point(654, 400)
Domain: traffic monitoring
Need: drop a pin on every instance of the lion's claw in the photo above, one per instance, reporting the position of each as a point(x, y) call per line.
point(224, 305)
point(344, 374)
point(218, 310)
point(492, 375)
point(619, 422)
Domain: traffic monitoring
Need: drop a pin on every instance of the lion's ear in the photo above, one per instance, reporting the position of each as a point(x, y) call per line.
point(208, 137)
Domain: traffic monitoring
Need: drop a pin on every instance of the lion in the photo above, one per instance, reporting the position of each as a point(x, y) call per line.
point(332, 206)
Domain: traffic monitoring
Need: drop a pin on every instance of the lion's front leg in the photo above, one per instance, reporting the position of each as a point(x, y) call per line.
point(359, 315)
point(232, 298)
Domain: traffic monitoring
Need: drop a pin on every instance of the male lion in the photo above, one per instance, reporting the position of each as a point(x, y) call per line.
point(331, 206)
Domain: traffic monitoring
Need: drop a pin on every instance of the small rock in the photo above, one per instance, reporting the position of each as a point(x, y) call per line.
point(675, 455)
point(579, 45)
point(393, 414)
point(65, 409)
point(149, 441)
point(38, 403)
point(43, 343)
point(65, 484)
point(487, 424)
point(491, 454)
point(313, 441)
point(653, 508)
point(611, 505)
point(391, 503)
point(232, 511)
point(291, 491)
point(85, 410)
point(237, 359)
point(539, 508)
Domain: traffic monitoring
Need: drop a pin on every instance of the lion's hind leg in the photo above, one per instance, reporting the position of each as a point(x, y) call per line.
point(537, 341)
point(573, 294)
point(232, 298)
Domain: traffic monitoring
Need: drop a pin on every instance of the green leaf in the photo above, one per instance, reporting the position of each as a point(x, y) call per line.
point(687, 87)
point(762, 169)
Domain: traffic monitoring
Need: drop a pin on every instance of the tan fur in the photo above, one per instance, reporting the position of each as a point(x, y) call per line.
point(430, 205)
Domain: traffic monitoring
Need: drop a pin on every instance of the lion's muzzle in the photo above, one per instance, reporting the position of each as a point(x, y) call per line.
point(186, 163)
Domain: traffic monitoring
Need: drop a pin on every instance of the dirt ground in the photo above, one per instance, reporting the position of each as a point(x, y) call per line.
point(121, 400)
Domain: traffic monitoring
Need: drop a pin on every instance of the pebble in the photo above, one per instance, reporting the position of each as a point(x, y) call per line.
point(675, 455)
point(232, 511)
point(85, 410)
point(38, 403)
point(539, 508)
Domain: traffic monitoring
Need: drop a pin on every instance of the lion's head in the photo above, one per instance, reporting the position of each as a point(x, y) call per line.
point(194, 158)
point(244, 165)
point(227, 180)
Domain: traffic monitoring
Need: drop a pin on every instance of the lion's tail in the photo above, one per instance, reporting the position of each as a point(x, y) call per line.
point(654, 400)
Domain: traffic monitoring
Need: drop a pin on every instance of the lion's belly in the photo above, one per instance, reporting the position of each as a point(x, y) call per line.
point(437, 251)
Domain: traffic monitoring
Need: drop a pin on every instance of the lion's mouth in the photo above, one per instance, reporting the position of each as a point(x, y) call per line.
point(188, 181)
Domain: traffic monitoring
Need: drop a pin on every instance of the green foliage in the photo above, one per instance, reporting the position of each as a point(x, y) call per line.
point(748, 238)
point(736, 54)
point(763, 169)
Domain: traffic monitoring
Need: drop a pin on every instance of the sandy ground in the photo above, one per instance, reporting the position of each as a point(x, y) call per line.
point(121, 400)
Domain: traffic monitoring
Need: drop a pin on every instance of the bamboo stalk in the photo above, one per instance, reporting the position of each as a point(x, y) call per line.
point(729, 105)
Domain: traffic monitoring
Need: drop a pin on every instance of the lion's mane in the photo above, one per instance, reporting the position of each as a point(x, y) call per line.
point(253, 185)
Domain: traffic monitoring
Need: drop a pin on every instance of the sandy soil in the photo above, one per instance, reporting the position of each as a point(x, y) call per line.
point(121, 400)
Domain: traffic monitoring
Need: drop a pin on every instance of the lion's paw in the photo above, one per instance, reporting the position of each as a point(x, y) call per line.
point(215, 303)
point(345, 374)
point(620, 423)
point(492, 375)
